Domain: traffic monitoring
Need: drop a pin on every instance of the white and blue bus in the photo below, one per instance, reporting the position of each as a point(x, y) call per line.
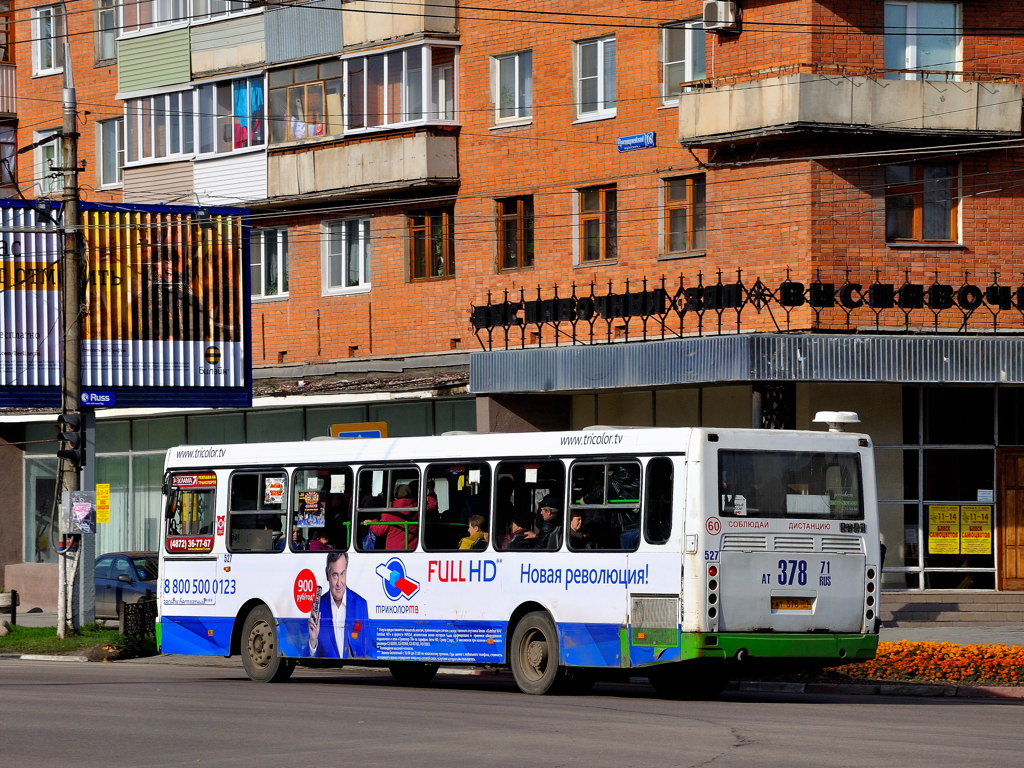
point(671, 553)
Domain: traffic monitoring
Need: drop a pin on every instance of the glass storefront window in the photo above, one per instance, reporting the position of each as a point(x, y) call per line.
point(958, 475)
point(157, 434)
point(214, 429)
point(959, 415)
point(274, 426)
point(113, 436)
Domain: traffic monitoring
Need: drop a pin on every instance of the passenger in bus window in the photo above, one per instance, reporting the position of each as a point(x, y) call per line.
point(339, 623)
point(549, 530)
point(299, 542)
point(579, 535)
point(319, 541)
point(397, 525)
point(477, 534)
point(519, 535)
point(277, 535)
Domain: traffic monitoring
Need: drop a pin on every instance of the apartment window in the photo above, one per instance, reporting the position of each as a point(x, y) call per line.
point(442, 83)
point(215, 9)
point(108, 27)
point(512, 75)
point(682, 57)
point(47, 39)
point(231, 115)
point(110, 151)
point(159, 126)
point(348, 255)
point(268, 253)
point(684, 222)
point(145, 14)
point(597, 209)
point(48, 155)
point(309, 97)
point(6, 19)
point(595, 77)
point(922, 36)
point(921, 203)
point(432, 244)
point(515, 232)
point(8, 176)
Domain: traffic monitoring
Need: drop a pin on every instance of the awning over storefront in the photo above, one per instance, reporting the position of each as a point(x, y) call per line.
point(752, 357)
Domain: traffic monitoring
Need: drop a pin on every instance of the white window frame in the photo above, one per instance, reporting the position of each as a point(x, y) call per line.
point(519, 65)
point(211, 10)
point(338, 260)
point(45, 156)
point(693, 64)
point(158, 111)
point(108, 28)
point(908, 51)
point(48, 45)
point(161, 13)
point(211, 120)
point(606, 98)
point(260, 260)
point(429, 93)
point(104, 148)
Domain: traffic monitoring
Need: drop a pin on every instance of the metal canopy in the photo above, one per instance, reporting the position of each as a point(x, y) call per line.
point(752, 357)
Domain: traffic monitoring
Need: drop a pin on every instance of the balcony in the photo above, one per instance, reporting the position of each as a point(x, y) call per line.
point(8, 92)
point(381, 163)
point(374, 21)
point(783, 104)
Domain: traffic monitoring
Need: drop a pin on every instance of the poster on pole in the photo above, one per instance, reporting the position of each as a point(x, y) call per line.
point(166, 300)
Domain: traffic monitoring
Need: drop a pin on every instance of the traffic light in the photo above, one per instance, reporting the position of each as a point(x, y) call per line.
point(72, 439)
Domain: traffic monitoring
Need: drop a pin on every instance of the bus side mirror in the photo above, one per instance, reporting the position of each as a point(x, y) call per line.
point(171, 508)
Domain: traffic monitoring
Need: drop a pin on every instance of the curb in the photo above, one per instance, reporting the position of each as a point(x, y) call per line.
point(42, 657)
point(885, 689)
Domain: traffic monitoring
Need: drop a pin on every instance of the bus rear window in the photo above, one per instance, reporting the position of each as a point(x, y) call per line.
point(790, 484)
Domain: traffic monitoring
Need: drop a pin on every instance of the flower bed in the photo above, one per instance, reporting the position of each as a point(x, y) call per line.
point(926, 662)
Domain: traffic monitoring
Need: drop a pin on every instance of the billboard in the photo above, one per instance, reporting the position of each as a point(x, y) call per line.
point(166, 309)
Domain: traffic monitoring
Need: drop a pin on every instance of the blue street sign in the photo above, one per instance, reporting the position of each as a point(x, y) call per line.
point(637, 141)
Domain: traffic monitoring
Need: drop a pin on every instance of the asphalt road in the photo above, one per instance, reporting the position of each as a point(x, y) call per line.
point(156, 715)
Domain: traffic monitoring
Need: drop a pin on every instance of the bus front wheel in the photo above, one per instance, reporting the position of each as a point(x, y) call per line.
point(260, 651)
point(533, 655)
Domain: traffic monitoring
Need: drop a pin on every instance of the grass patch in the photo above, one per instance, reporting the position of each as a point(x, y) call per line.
point(44, 640)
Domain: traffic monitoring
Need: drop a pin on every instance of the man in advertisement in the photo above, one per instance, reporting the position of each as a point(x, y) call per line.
point(339, 621)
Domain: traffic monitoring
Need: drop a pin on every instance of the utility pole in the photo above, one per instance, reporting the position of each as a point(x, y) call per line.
point(71, 313)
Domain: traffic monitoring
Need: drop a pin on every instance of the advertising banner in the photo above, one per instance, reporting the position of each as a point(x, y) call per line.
point(166, 312)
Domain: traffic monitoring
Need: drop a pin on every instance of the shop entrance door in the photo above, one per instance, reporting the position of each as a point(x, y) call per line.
point(1010, 463)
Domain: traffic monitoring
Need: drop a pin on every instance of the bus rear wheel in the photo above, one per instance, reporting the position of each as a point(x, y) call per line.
point(260, 650)
point(533, 654)
point(412, 673)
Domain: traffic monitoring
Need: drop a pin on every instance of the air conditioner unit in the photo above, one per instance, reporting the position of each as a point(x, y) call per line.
point(719, 14)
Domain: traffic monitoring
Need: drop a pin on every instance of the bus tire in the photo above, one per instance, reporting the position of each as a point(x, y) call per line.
point(533, 654)
point(412, 673)
point(260, 656)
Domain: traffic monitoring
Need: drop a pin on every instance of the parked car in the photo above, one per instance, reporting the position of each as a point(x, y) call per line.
point(123, 577)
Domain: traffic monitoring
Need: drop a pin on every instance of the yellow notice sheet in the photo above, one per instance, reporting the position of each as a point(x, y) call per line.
point(943, 529)
point(976, 529)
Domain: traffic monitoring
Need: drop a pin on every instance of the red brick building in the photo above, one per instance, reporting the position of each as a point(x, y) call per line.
point(612, 213)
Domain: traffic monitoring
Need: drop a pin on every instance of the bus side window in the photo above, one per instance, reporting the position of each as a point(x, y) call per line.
point(520, 488)
point(388, 507)
point(658, 500)
point(605, 506)
point(455, 493)
point(256, 519)
point(322, 509)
